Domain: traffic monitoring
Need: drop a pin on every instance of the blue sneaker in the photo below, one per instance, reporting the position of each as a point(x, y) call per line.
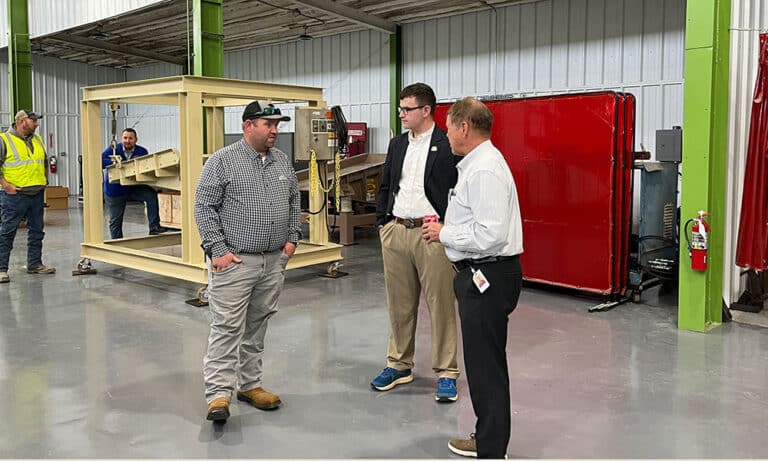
point(390, 378)
point(446, 390)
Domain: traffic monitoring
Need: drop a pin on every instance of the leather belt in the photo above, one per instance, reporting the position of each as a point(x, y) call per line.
point(410, 223)
point(459, 266)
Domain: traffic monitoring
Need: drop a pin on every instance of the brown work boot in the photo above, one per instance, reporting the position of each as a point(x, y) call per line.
point(41, 269)
point(260, 398)
point(464, 447)
point(218, 410)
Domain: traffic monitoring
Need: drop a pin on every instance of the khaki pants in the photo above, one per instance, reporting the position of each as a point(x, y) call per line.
point(242, 299)
point(411, 266)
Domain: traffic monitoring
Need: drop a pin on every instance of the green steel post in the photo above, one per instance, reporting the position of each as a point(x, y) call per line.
point(19, 57)
point(395, 78)
point(705, 120)
point(208, 31)
point(208, 28)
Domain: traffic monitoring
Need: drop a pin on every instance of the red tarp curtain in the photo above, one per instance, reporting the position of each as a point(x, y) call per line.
point(752, 247)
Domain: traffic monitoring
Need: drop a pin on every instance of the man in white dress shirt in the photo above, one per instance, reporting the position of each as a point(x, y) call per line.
point(483, 237)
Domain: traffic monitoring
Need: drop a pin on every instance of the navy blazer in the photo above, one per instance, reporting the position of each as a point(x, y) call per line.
point(440, 175)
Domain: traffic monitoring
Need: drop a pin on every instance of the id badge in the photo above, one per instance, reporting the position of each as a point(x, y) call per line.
point(480, 281)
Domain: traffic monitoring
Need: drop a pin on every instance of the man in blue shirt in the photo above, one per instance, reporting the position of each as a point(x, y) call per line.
point(116, 196)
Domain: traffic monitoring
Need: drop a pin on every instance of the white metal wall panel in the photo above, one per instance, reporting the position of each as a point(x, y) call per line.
point(4, 25)
point(352, 69)
point(748, 19)
point(157, 126)
point(558, 46)
point(56, 94)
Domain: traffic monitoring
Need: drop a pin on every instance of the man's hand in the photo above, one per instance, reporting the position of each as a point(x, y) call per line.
point(222, 262)
point(10, 189)
point(430, 231)
point(289, 249)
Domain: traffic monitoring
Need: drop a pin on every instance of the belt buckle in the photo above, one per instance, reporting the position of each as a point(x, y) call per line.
point(408, 223)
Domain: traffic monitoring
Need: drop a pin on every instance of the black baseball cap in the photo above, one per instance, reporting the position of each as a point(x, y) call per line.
point(254, 111)
point(22, 114)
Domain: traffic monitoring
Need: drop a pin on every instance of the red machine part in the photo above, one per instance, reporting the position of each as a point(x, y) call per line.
point(571, 157)
point(357, 133)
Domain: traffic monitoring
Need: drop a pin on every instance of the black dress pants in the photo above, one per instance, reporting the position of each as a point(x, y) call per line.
point(484, 331)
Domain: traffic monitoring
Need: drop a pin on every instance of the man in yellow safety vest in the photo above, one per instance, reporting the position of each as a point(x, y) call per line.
point(23, 179)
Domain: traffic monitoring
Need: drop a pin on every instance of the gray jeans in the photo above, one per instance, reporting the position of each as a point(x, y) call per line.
point(242, 298)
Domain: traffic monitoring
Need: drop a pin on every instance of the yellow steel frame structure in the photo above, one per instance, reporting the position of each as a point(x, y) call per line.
point(193, 95)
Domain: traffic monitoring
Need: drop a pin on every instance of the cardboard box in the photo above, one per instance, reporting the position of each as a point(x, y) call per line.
point(170, 209)
point(176, 209)
point(58, 203)
point(56, 192)
point(164, 201)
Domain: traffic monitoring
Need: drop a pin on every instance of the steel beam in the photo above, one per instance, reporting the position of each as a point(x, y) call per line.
point(155, 263)
point(350, 14)
point(208, 31)
point(234, 92)
point(19, 57)
point(111, 47)
point(705, 132)
point(395, 79)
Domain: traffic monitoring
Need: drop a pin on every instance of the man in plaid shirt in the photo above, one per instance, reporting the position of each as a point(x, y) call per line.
point(247, 207)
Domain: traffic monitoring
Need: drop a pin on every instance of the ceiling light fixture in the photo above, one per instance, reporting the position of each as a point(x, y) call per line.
point(305, 36)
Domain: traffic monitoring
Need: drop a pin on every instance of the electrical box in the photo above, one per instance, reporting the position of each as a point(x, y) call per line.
point(315, 130)
point(669, 145)
point(358, 138)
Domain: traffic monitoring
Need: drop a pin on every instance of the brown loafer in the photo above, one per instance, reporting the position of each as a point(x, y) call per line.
point(218, 410)
point(260, 398)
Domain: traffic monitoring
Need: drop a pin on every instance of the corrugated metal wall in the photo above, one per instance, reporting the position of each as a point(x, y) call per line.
point(56, 94)
point(157, 126)
point(352, 69)
point(48, 16)
point(559, 46)
point(748, 19)
point(537, 48)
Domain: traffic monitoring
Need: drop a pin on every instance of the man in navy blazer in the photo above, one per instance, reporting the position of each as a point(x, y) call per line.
point(419, 173)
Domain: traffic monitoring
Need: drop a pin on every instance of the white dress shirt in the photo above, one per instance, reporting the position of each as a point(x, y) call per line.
point(483, 215)
point(411, 200)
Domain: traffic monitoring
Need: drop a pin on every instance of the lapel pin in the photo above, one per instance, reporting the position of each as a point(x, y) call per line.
point(434, 149)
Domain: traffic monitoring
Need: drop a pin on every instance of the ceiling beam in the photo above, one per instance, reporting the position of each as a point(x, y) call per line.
point(127, 50)
point(350, 14)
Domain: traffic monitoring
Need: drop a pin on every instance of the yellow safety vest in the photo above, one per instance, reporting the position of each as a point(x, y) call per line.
point(23, 167)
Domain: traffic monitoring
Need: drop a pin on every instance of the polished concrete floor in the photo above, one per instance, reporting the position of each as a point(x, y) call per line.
point(109, 366)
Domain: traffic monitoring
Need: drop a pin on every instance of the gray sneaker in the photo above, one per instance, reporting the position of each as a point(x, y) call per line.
point(4, 277)
point(40, 269)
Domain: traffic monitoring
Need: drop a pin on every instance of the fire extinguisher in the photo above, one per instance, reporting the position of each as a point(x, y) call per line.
point(52, 164)
point(697, 242)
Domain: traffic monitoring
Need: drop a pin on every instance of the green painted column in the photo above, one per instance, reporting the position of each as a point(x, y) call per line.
point(208, 30)
point(705, 119)
point(19, 57)
point(395, 78)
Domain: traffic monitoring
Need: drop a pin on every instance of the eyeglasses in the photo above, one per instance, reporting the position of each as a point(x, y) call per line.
point(400, 110)
point(269, 110)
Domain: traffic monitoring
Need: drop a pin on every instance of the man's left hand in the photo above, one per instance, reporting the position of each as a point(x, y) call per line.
point(289, 249)
point(430, 231)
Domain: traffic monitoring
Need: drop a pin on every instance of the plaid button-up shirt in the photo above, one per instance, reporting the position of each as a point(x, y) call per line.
point(246, 204)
